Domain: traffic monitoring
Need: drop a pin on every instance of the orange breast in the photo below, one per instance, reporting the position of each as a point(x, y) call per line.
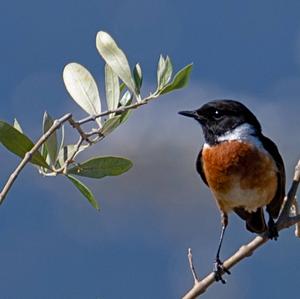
point(237, 170)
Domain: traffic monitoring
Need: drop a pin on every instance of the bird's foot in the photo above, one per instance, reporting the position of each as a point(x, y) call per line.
point(219, 270)
point(272, 230)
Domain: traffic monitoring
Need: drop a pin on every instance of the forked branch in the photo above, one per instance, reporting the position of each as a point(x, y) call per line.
point(77, 125)
point(56, 125)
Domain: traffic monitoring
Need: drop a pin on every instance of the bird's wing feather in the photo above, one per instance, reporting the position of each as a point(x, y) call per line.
point(274, 206)
point(199, 167)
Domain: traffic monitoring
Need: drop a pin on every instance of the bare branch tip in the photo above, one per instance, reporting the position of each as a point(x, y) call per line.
point(192, 268)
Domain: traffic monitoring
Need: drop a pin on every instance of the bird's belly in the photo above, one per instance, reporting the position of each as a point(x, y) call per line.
point(249, 199)
point(240, 175)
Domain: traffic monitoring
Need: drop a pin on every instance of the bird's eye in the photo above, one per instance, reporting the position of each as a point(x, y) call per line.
point(217, 114)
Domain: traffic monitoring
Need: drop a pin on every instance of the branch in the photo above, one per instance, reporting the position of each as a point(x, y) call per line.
point(119, 110)
point(285, 220)
point(83, 137)
point(56, 125)
point(80, 131)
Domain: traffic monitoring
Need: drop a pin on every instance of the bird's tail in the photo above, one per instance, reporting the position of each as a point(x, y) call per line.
point(255, 221)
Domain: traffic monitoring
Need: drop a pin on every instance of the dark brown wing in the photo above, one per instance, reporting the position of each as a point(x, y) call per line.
point(199, 167)
point(274, 206)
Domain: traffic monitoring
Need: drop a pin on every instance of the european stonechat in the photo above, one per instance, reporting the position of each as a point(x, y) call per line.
point(242, 167)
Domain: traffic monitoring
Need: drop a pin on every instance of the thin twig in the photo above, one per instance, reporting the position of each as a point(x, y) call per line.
point(85, 136)
point(290, 198)
point(77, 126)
point(56, 125)
point(78, 148)
point(118, 110)
point(190, 258)
point(284, 221)
point(63, 168)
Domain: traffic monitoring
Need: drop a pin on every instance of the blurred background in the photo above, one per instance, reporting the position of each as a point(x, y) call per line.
point(53, 243)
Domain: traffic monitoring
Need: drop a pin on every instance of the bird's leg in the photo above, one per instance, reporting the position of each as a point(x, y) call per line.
point(219, 270)
point(272, 229)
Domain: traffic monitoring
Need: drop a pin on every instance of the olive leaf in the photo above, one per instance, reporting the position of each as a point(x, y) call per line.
point(85, 191)
point(19, 144)
point(164, 71)
point(17, 126)
point(115, 58)
point(179, 81)
point(82, 88)
point(51, 142)
point(99, 167)
point(138, 77)
point(112, 88)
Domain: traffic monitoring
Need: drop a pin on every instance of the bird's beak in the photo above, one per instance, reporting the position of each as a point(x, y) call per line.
point(192, 114)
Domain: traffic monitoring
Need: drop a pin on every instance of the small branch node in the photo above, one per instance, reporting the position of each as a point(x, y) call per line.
point(244, 249)
point(28, 156)
point(76, 126)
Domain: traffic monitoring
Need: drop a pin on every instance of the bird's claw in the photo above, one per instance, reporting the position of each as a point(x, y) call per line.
point(272, 230)
point(219, 270)
point(273, 233)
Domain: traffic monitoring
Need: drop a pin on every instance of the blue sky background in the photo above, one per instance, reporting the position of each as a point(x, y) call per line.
point(53, 244)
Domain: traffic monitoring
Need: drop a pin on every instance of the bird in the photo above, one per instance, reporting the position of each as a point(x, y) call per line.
point(243, 168)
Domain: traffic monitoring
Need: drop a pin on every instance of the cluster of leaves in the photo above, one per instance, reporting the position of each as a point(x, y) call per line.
point(123, 93)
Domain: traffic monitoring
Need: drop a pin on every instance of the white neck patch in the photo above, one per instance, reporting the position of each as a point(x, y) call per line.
point(242, 132)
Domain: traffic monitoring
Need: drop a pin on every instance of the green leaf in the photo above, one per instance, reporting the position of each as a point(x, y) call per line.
point(19, 144)
point(115, 58)
point(138, 77)
point(122, 87)
point(126, 101)
point(82, 88)
point(61, 145)
point(160, 70)
point(164, 71)
point(112, 88)
point(125, 115)
point(51, 143)
point(180, 80)
point(44, 151)
point(85, 191)
point(99, 167)
point(126, 98)
point(168, 71)
point(110, 125)
point(17, 126)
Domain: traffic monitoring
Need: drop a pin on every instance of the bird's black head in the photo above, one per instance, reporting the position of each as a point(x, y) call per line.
point(221, 116)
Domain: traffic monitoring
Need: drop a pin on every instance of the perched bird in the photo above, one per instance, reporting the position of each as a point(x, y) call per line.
point(241, 166)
